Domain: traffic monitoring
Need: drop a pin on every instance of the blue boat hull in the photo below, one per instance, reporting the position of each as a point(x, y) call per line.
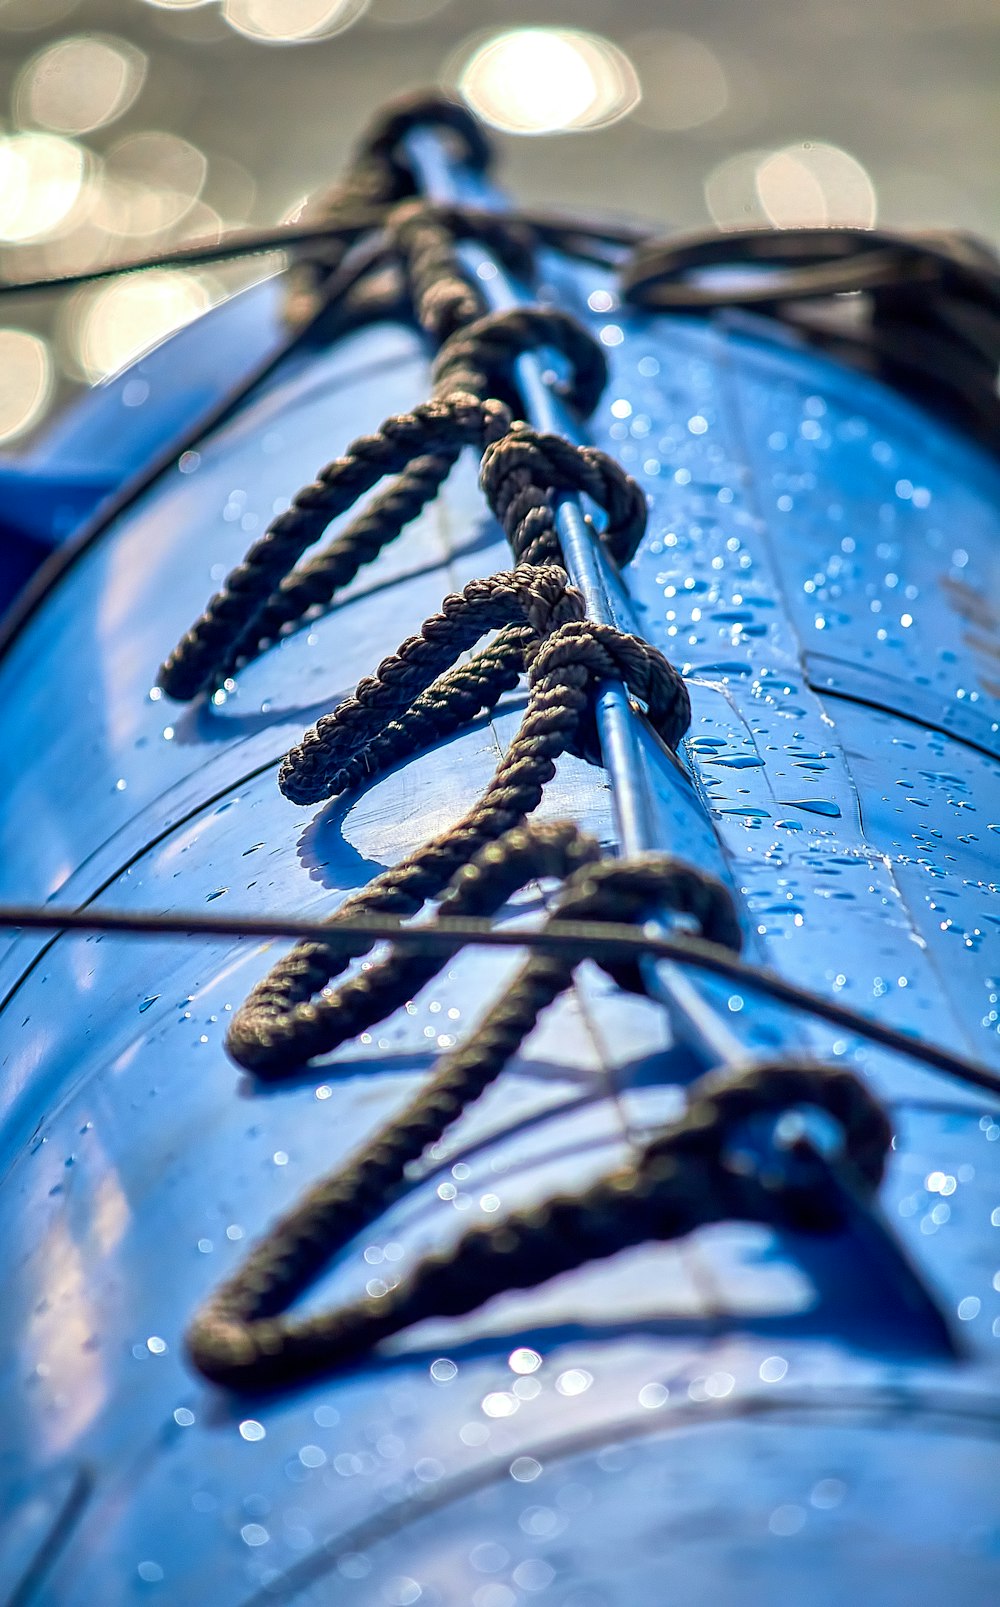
point(735, 1417)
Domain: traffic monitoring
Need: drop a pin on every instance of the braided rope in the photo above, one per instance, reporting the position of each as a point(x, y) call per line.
point(283, 1023)
point(237, 1339)
point(417, 696)
point(679, 1182)
point(265, 593)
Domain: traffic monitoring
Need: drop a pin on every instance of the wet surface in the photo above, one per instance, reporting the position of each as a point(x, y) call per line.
point(139, 1164)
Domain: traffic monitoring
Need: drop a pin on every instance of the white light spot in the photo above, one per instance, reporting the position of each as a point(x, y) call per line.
point(115, 324)
point(41, 179)
point(773, 1369)
point(813, 185)
point(81, 83)
point(500, 1404)
point(289, 22)
point(574, 1381)
point(787, 1519)
point(539, 80)
point(25, 381)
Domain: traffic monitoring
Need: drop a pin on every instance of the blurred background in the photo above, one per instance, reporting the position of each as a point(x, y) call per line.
point(131, 125)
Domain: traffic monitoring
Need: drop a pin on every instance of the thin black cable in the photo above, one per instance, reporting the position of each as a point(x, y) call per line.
point(923, 310)
point(577, 236)
point(357, 304)
point(449, 933)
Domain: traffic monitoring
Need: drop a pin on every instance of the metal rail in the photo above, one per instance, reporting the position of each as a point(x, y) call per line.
point(694, 1019)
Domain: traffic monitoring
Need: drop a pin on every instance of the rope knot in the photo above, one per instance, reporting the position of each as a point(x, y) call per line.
point(481, 356)
point(523, 473)
point(603, 653)
point(721, 1102)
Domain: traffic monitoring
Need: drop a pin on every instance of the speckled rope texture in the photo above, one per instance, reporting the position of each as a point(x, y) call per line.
point(285, 1021)
point(420, 695)
point(343, 1204)
point(682, 1180)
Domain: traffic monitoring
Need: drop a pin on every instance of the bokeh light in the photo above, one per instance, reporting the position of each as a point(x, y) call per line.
point(79, 84)
point(288, 22)
point(151, 181)
point(806, 185)
point(548, 80)
point(25, 381)
point(683, 82)
point(815, 185)
point(110, 326)
point(41, 181)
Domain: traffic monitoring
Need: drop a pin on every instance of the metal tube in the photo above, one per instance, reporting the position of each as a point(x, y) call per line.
point(694, 1019)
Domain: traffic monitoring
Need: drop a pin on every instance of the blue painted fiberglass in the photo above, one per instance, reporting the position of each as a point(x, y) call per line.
point(743, 1416)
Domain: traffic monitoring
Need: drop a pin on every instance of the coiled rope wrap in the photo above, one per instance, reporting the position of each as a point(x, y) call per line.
point(418, 696)
point(265, 592)
point(238, 1336)
point(283, 1023)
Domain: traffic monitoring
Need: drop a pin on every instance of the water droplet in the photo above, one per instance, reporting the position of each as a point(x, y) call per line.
point(812, 806)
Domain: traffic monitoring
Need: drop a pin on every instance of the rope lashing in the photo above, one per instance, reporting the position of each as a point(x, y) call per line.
point(684, 1179)
point(524, 471)
point(520, 475)
point(437, 429)
point(265, 591)
point(480, 357)
point(377, 176)
point(333, 1212)
point(444, 297)
point(418, 696)
point(284, 1022)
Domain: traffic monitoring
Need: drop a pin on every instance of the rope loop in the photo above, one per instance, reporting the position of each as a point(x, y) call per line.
point(724, 1101)
point(523, 472)
point(324, 763)
point(481, 356)
point(425, 109)
point(679, 1182)
point(421, 447)
point(604, 654)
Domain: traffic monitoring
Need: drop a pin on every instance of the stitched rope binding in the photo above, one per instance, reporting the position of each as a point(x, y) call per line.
point(680, 1181)
point(418, 695)
point(283, 1023)
point(234, 1331)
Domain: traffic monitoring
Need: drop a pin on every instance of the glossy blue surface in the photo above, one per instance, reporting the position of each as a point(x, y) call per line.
point(738, 1417)
point(92, 451)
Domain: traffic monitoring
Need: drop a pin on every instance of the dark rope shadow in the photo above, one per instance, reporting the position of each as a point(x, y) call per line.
point(205, 721)
point(323, 843)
